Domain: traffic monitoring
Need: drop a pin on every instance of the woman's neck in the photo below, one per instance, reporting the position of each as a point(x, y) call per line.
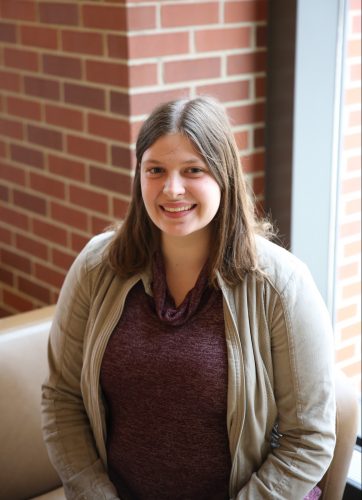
point(184, 259)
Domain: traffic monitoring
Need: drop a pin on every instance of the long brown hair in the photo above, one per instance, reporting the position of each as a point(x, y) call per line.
point(232, 253)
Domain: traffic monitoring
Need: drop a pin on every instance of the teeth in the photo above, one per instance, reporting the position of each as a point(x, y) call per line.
point(178, 209)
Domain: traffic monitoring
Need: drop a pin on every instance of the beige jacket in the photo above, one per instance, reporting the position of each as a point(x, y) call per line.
point(280, 359)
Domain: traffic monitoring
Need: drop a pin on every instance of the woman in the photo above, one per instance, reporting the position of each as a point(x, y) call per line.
point(190, 358)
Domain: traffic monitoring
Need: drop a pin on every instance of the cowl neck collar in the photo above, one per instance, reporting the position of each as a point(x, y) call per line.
point(166, 309)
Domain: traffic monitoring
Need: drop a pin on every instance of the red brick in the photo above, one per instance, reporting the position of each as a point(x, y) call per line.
point(104, 17)
point(144, 103)
point(11, 128)
point(88, 199)
point(240, 64)
point(110, 128)
point(247, 114)
point(258, 185)
point(21, 59)
point(261, 37)
point(6, 277)
point(47, 185)
point(30, 202)
point(356, 72)
point(99, 225)
point(16, 302)
point(9, 81)
point(352, 141)
point(12, 174)
point(352, 249)
point(83, 43)
point(64, 117)
point(50, 232)
point(66, 168)
point(228, 91)
point(346, 312)
point(3, 149)
point(140, 75)
point(348, 271)
point(34, 290)
point(117, 46)
point(110, 180)
point(120, 103)
point(141, 18)
point(87, 148)
point(7, 33)
point(108, 73)
point(68, 67)
point(354, 48)
point(245, 12)
point(24, 108)
point(259, 137)
point(5, 236)
point(78, 241)
point(29, 245)
point(352, 290)
point(82, 95)
point(23, 10)
point(223, 39)
point(260, 86)
point(353, 369)
point(351, 185)
point(40, 87)
point(62, 259)
point(242, 139)
point(37, 36)
point(354, 119)
point(351, 331)
point(352, 96)
point(59, 13)
point(4, 193)
point(45, 137)
point(26, 155)
point(345, 353)
point(121, 157)
point(14, 218)
point(49, 275)
point(254, 162)
point(119, 208)
point(157, 45)
point(354, 163)
point(356, 24)
point(192, 69)
point(349, 229)
point(15, 260)
point(69, 216)
point(189, 14)
point(353, 206)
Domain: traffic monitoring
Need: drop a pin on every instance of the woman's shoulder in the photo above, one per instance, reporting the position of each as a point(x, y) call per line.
point(277, 264)
point(95, 251)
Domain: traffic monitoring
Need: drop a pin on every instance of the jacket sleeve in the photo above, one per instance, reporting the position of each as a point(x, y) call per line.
point(66, 428)
point(302, 356)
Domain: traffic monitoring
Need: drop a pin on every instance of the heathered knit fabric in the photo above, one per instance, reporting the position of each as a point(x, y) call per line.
point(164, 376)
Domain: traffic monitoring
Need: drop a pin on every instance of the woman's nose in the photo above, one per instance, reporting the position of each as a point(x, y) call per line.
point(174, 185)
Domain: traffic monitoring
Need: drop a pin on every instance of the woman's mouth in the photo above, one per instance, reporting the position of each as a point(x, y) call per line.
point(179, 208)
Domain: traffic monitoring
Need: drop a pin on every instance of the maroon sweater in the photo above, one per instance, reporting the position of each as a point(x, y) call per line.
point(164, 377)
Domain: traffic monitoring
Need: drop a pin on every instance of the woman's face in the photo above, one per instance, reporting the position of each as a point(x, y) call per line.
point(179, 192)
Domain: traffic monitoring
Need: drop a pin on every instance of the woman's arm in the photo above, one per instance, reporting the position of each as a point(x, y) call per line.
point(66, 427)
point(302, 354)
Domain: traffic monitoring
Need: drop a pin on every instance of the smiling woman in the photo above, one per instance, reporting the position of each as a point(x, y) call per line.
point(182, 353)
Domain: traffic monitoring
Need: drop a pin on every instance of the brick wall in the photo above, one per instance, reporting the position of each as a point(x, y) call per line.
point(76, 81)
point(348, 289)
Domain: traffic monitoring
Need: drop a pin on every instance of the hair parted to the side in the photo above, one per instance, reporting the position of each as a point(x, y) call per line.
point(232, 253)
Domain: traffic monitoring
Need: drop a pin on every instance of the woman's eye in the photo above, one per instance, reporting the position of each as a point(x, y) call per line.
point(155, 171)
point(195, 170)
